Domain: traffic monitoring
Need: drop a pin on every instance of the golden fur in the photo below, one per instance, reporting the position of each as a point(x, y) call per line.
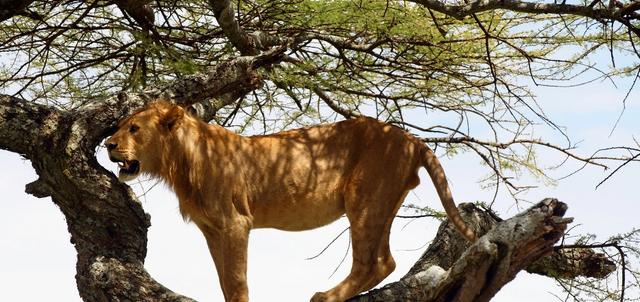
point(293, 180)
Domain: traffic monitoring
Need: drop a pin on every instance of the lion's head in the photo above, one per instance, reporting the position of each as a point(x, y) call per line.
point(138, 143)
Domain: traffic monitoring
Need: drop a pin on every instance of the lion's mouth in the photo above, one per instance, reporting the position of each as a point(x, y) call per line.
point(128, 168)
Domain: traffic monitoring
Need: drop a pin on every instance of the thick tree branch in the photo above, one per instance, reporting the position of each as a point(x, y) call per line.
point(620, 13)
point(238, 38)
point(450, 270)
point(207, 110)
point(27, 128)
point(235, 77)
point(474, 7)
point(227, 81)
point(573, 263)
point(246, 43)
point(126, 280)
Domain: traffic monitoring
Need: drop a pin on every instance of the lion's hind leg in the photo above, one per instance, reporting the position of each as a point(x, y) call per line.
point(363, 269)
point(370, 218)
point(384, 263)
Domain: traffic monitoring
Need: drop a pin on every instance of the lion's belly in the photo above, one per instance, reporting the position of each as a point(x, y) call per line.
point(298, 186)
point(297, 214)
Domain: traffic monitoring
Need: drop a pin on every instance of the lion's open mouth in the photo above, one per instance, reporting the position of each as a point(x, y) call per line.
point(128, 167)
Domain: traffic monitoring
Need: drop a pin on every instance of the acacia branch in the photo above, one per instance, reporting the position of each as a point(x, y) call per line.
point(620, 13)
point(227, 81)
point(237, 76)
point(504, 145)
point(231, 28)
point(462, 11)
point(246, 43)
point(347, 114)
point(451, 270)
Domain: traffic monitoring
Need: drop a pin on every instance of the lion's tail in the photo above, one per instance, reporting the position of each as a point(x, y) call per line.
point(432, 164)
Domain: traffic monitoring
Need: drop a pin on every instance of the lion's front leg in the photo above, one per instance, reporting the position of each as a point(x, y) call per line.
point(228, 248)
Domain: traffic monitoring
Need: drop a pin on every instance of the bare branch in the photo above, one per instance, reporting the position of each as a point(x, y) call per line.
point(503, 145)
point(573, 263)
point(347, 114)
point(246, 43)
point(237, 37)
point(600, 14)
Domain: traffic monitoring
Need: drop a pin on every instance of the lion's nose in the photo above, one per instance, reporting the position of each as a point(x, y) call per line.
point(111, 146)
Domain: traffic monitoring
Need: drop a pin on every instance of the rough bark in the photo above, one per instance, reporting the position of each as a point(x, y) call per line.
point(246, 43)
point(237, 37)
point(572, 263)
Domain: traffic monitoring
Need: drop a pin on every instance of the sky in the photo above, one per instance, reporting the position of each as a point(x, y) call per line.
point(37, 261)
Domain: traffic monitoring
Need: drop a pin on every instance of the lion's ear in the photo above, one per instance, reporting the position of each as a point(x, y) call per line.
point(173, 117)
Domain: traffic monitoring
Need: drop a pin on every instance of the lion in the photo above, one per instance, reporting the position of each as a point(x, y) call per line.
point(294, 180)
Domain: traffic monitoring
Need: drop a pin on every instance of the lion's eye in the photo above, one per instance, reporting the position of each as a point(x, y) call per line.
point(133, 128)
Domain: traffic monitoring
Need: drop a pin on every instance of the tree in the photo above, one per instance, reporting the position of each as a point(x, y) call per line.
point(77, 67)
